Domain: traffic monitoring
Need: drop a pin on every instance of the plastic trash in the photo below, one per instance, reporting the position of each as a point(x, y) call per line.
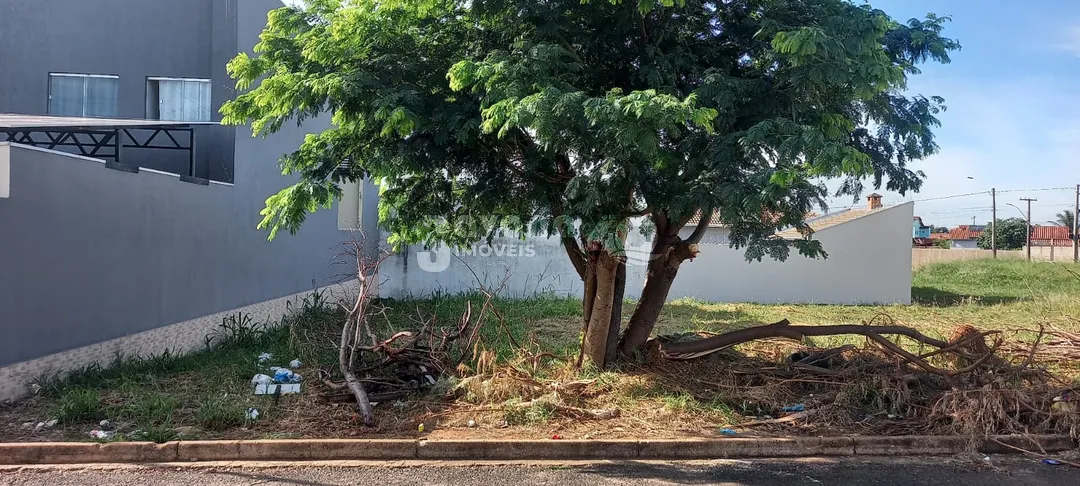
point(101, 434)
point(261, 380)
point(252, 413)
point(286, 376)
point(1051, 462)
point(794, 408)
point(52, 423)
point(472, 423)
point(728, 432)
point(294, 364)
point(556, 437)
point(420, 428)
point(264, 357)
point(273, 369)
point(104, 424)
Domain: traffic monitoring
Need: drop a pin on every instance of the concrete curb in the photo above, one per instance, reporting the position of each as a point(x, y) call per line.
point(408, 449)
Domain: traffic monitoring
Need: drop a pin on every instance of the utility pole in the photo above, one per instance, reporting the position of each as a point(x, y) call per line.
point(993, 221)
point(1028, 200)
point(973, 220)
point(1076, 227)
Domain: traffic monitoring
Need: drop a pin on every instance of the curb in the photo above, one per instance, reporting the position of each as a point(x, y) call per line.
point(393, 449)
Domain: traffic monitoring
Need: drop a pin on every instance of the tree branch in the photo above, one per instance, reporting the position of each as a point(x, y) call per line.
point(702, 226)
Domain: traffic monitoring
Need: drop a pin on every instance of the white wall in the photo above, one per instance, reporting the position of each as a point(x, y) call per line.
point(869, 262)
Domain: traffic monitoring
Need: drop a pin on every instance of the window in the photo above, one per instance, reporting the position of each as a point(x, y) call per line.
point(351, 207)
point(177, 99)
point(84, 95)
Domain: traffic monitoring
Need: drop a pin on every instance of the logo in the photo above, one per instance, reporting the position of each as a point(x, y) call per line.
point(438, 259)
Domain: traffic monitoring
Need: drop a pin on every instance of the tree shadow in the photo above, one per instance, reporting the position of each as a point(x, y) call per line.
point(935, 297)
point(680, 315)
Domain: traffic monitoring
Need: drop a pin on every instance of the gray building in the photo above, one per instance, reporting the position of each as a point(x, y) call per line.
point(124, 251)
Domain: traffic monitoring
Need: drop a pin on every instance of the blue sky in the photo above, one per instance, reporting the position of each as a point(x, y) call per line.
point(1013, 97)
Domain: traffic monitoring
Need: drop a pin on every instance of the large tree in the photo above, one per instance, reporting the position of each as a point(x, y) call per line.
point(573, 117)
point(1067, 219)
point(1009, 234)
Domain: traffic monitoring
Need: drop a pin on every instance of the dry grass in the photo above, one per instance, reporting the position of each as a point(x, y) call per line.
point(509, 394)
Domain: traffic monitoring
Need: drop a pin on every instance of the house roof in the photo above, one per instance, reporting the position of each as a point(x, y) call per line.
point(919, 219)
point(965, 232)
point(1049, 233)
point(714, 221)
point(826, 221)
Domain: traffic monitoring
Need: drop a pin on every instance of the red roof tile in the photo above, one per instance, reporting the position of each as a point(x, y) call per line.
point(1049, 233)
point(963, 232)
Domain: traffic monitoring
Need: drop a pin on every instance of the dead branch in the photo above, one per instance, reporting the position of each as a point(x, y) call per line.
point(783, 329)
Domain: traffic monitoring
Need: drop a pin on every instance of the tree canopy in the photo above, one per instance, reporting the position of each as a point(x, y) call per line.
point(1011, 234)
point(569, 117)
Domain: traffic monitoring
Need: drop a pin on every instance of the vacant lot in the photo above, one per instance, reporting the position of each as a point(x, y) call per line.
point(208, 395)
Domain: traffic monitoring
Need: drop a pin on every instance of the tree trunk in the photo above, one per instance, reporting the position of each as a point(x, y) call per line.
point(669, 255)
point(616, 314)
point(587, 302)
point(596, 336)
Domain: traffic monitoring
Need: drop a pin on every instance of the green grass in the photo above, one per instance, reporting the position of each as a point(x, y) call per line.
point(210, 392)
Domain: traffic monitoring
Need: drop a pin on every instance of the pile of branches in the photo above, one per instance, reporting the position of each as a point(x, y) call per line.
point(1052, 346)
point(381, 369)
point(965, 385)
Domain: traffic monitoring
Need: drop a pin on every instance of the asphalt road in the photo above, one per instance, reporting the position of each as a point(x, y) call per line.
point(930, 471)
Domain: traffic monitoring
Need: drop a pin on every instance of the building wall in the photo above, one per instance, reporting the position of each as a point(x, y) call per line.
point(965, 244)
point(89, 254)
point(133, 39)
point(921, 257)
point(869, 262)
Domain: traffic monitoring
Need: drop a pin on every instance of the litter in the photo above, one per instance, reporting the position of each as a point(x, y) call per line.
point(472, 423)
point(277, 389)
point(283, 375)
point(52, 423)
point(261, 380)
point(294, 364)
point(252, 413)
point(728, 431)
point(101, 434)
point(420, 428)
point(794, 408)
point(556, 437)
point(1051, 462)
point(104, 424)
point(264, 357)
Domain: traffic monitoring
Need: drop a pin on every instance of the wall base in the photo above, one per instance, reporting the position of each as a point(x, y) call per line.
point(182, 337)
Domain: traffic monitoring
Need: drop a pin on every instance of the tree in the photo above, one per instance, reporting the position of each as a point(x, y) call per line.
point(1011, 234)
point(940, 229)
point(1067, 219)
point(943, 244)
point(572, 118)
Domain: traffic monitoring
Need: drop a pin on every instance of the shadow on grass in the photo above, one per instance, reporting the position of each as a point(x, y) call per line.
point(689, 315)
point(940, 298)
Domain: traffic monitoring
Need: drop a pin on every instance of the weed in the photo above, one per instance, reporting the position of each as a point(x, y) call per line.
point(239, 329)
point(159, 433)
point(220, 413)
point(77, 405)
point(535, 412)
point(151, 409)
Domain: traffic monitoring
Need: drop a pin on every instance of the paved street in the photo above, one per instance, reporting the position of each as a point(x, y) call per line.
point(930, 471)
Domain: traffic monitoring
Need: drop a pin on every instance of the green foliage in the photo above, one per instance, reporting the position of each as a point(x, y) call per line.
point(221, 413)
point(483, 117)
point(943, 243)
point(1011, 234)
point(78, 405)
point(1067, 219)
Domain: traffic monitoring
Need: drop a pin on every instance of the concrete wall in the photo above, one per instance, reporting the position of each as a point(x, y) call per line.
point(869, 262)
point(132, 39)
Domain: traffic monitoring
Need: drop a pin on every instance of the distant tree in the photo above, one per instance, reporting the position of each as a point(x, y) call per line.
point(939, 229)
point(943, 243)
point(1067, 219)
point(1011, 234)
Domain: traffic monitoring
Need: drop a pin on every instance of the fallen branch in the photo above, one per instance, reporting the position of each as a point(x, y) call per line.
point(783, 329)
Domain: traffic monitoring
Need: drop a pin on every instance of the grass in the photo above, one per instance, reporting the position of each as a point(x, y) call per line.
point(207, 394)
